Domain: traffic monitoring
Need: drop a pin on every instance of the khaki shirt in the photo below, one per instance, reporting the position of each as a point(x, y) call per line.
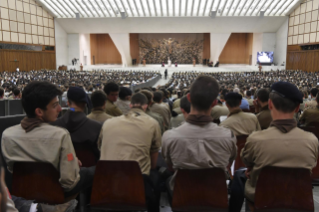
point(194, 147)
point(264, 117)
point(250, 101)
point(241, 123)
point(310, 116)
point(271, 147)
point(163, 111)
point(176, 121)
point(310, 104)
point(158, 118)
point(133, 136)
point(124, 106)
point(112, 109)
point(99, 116)
point(218, 111)
point(46, 143)
point(176, 103)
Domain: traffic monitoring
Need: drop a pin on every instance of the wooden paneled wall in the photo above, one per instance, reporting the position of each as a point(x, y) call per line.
point(238, 49)
point(103, 50)
point(27, 60)
point(302, 60)
point(206, 46)
point(134, 47)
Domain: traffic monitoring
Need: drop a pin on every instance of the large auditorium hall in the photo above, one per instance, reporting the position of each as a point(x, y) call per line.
point(159, 105)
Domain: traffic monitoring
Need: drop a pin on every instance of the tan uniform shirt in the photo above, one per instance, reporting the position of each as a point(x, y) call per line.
point(112, 109)
point(158, 118)
point(124, 106)
point(133, 136)
point(310, 104)
point(176, 121)
point(218, 111)
point(310, 116)
point(264, 117)
point(99, 116)
point(176, 103)
point(193, 147)
point(250, 101)
point(42, 144)
point(271, 147)
point(241, 123)
point(163, 111)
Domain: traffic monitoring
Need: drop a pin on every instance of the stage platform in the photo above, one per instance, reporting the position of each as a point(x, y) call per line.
point(187, 67)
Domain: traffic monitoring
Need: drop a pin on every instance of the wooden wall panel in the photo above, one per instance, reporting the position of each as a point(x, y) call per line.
point(28, 60)
point(104, 50)
point(238, 49)
point(134, 47)
point(303, 60)
point(206, 46)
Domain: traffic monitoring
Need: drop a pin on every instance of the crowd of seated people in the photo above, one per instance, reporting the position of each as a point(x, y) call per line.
point(190, 123)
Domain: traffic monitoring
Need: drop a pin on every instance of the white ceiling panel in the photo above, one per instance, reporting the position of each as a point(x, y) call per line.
point(167, 8)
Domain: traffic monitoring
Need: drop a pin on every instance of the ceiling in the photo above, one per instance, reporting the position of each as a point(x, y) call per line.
point(167, 8)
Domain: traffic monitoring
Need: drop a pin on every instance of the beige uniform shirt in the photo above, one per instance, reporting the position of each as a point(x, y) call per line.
point(133, 136)
point(112, 109)
point(310, 104)
point(218, 111)
point(46, 143)
point(163, 111)
point(250, 101)
point(176, 121)
point(124, 106)
point(176, 103)
point(158, 118)
point(241, 123)
point(194, 147)
point(264, 117)
point(271, 147)
point(310, 116)
point(99, 116)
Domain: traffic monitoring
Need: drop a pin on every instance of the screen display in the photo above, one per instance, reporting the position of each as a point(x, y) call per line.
point(265, 57)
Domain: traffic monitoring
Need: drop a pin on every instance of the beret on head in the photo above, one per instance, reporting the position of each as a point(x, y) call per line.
point(233, 95)
point(77, 94)
point(287, 90)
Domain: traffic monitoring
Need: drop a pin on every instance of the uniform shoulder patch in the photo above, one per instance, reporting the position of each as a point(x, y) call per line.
point(70, 157)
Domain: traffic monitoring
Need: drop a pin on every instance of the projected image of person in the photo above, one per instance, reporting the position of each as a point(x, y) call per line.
point(265, 57)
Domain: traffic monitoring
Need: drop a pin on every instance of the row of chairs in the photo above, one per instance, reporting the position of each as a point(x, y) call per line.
point(119, 186)
point(10, 107)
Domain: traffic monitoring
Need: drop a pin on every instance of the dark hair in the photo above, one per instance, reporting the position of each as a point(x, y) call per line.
point(314, 91)
point(317, 98)
point(148, 95)
point(203, 93)
point(16, 91)
point(124, 92)
point(283, 104)
point(185, 104)
point(263, 95)
point(111, 87)
point(158, 96)
point(98, 99)
point(248, 93)
point(1, 91)
point(139, 99)
point(233, 102)
point(38, 94)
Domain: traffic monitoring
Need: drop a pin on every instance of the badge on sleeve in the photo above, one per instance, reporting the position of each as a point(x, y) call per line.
point(70, 157)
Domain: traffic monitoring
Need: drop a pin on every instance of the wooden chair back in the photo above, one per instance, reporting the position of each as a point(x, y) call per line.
point(118, 186)
point(84, 153)
point(241, 140)
point(37, 181)
point(315, 171)
point(200, 190)
point(284, 189)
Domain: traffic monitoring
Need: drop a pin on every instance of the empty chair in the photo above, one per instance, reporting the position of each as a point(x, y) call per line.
point(118, 186)
point(15, 107)
point(37, 181)
point(241, 140)
point(283, 189)
point(200, 190)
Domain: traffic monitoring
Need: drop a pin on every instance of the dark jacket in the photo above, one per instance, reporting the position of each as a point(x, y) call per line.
point(81, 129)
